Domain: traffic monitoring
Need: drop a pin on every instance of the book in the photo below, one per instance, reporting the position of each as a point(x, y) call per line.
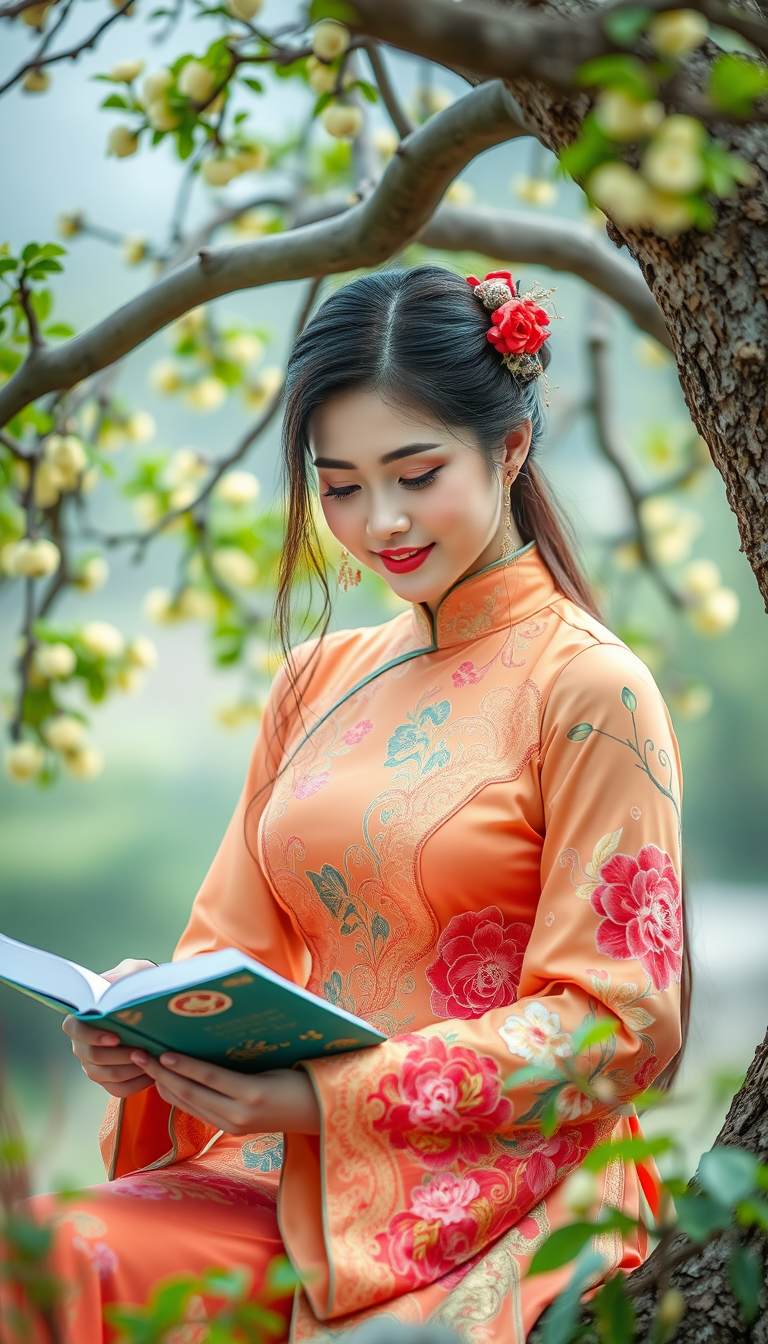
point(222, 1007)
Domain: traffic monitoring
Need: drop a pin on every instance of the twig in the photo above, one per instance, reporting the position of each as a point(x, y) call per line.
point(14, 447)
point(25, 658)
point(39, 59)
point(397, 113)
point(25, 299)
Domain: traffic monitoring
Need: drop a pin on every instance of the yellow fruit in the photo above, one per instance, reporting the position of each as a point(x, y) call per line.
point(147, 508)
point(238, 488)
point(185, 465)
point(671, 1308)
point(134, 249)
point(188, 326)
point(683, 130)
point(460, 193)
point(121, 142)
point(87, 763)
point(673, 167)
point(34, 559)
point(342, 120)
point(92, 575)
point(196, 81)
point(53, 662)
point(716, 613)
point(535, 190)
point(34, 16)
point(37, 81)
point(156, 84)
point(126, 71)
point(218, 172)
point(48, 485)
point(141, 652)
point(234, 566)
point(657, 512)
point(244, 9)
point(264, 388)
point(102, 639)
point(23, 760)
point(64, 732)
point(386, 142)
point(68, 456)
point(693, 702)
point(161, 115)
point(184, 495)
point(70, 225)
point(330, 39)
point(140, 427)
point(623, 118)
point(130, 680)
point(677, 32)
point(207, 394)
point(243, 348)
point(196, 604)
point(322, 78)
point(700, 577)
point(621, 193)
point(158, 606)
point(254, 159)
point(164, 376)
point(214, 108)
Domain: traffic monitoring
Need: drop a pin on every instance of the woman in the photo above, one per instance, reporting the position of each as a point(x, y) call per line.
point(462, 825)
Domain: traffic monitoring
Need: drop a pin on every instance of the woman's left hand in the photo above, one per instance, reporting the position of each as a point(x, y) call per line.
point(279, 1100)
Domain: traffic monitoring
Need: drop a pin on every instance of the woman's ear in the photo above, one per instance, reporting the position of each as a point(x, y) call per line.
point(517, 445)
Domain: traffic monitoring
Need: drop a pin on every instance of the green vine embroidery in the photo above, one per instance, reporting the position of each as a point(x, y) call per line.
point(629, 700)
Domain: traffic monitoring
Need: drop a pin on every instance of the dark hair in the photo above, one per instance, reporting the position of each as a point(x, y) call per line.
point(419, 338)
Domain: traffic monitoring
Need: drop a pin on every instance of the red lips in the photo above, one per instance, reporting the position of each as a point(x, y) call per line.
point(403, 559)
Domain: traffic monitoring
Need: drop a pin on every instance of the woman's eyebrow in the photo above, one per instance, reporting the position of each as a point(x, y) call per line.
point(409, 450)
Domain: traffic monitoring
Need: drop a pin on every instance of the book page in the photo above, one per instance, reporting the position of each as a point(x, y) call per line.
point(53, 977)
point(158, 980)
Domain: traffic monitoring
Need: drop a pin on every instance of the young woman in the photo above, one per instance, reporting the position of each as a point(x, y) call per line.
point(462, 825)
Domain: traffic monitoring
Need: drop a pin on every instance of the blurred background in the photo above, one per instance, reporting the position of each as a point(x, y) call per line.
point(108, 868)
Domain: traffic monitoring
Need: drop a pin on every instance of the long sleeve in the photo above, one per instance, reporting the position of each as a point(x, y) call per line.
point(235, 907)
point(426, 1156)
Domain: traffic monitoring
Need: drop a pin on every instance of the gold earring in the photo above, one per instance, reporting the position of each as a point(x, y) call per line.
point(347, 577)
point(507, 548)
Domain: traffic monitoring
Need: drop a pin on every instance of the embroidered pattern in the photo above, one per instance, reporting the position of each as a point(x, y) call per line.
point(478, 965)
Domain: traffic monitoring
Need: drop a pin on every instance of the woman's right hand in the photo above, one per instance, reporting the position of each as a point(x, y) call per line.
point(102, 1058)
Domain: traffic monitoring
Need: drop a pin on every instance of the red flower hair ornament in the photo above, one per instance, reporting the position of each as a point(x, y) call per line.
point(519, 325)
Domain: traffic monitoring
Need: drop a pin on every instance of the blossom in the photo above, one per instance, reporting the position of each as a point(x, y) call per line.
point(646, 1073)
point(572, 1103)
point(478, 965)
point(519, 327)
point(641, 904)
point(309, 784)
point(537, 1036)
point(356, 734)
point(547, 1161)
point(443, 1103)
point(506, 276)
point(444, 1199)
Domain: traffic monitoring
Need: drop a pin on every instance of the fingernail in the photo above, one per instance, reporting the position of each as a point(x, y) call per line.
point(107, 1038)
point(139, 1057)
point(170, 1060)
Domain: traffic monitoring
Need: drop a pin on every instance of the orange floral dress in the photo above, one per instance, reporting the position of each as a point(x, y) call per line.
point(472, 840)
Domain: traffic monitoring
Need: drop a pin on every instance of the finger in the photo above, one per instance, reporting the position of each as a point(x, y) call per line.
point(225, 1081)
point(128, 1089)
point(78, 1031)
point(225, 1112)
point(208, 1114)
point(90, 1054)
point(120, 1074)
point(128, 966)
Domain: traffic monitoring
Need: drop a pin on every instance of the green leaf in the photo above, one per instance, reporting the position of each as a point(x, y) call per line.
point(624, 26)
point(560, 1321)
point(253, 84)
point(115, 100)
point(368, 90)
point(586, 1035)
point(185, 142)
point(532, 1073)
point(614, 1313)
point(7, 264)
point(53, 250)
point(745, 1270)
point(322, 103)
point(562, 1245)
point(629, 699)
point(736, 82)
point(59, 330)
point(752, 1211)
point(699, 1216)
point(618, 72)
point(47, 265)
point(332, 9)
point(31, 250)
point(629, 1150)
point(580, 733)
point(728, 1174)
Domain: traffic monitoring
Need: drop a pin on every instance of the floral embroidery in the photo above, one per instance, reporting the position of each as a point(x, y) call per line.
point(572, 1103)
point(645, 1075)
point(309, 784)
point(640, 899)
point(101, 1256)
point(356, 734)
point(264, 1153)
point(444, 1199)
point(537, 1036)
point(585, 877)
point(548, 1160)
point(624, 1000)
point(479, 963)
point(443, 1104)
point(417, 740)
point(518, 638)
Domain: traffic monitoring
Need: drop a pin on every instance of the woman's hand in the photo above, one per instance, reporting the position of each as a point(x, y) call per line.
point(103, 1059)
point(280, 1100)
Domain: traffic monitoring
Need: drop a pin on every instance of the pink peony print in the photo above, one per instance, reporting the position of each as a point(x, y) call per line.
point(646, 1073)
point(478, 965)
point(466, 674)
point(356, 734)
point(640, 901)
point(444, 1199)
point(309, 784)
point(443, 1103)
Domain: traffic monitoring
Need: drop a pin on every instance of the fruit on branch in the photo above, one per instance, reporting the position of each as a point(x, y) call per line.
point(717, 612)
point(621, 192)
point(134, 249)
point(31, 559)
point(238, 488)
point(156, 85)
point(161, 115)
point(624, 118)
point(64, 732)
point(54, 662)
point(141, 652)
point(86, 763)
point(121, 142)
point(243, 348)
point(92, 574)
point(218, 172)
point(126, 71)
point(35, 15)
point(330, 39)
point(207, 394)
point(23, 761)
point(268, 383)
point(534, 190)
point(677, 31)
point(252, 158)
point(244, 9)
point(164, 377)
point(196, 81)
point(342, 120)
point(67, 456)
point(37, 81)
point(700, 578)
point(234, 566)
point(322, 77)
point(102, 639)
point(673, 167)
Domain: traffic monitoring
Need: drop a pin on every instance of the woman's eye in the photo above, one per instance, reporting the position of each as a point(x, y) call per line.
point(418, 482)
point(340, 491)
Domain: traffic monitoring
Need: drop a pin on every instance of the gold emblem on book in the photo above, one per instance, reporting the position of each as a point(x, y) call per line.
point(249, 1050)
point(199, 1003)
point(130, 1016)
point(235, 980)
point(343, 1044)
point(311, 1036)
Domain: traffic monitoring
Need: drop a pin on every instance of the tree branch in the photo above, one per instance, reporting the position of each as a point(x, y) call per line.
point(560, 244)
point(40, 59)
point(367, 235)
point(397, 113)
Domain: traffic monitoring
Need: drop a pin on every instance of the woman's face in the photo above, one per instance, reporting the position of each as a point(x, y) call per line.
point(407, 497)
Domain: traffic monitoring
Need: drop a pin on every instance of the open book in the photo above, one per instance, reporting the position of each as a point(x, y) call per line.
point(221, 1006)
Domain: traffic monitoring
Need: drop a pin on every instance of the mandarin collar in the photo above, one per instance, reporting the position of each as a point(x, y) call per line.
point(497, 596)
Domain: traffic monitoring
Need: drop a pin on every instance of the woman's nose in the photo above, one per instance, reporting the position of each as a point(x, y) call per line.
point(383, 522)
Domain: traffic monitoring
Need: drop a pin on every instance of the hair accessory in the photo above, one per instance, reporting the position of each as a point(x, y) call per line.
point(347, 577)
point(520, 325)
point(506, 542)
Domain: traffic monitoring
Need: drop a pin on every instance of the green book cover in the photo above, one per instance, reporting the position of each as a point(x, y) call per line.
point(222, 1007)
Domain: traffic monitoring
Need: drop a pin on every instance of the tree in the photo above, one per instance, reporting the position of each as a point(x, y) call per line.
point(663, 125)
